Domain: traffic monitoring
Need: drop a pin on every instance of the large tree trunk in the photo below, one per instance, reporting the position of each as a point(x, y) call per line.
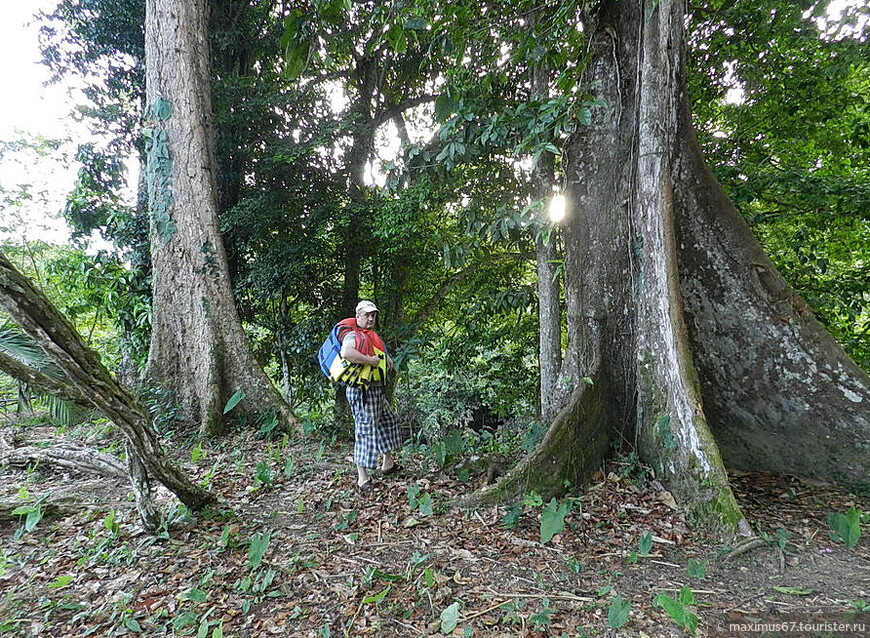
point(199, 351)
point(679, 320)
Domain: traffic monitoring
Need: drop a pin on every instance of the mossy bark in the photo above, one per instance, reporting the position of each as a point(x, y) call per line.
point(567, 456)
point(672, 430)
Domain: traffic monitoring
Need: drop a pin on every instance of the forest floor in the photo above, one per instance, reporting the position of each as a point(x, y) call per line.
point(295, 550)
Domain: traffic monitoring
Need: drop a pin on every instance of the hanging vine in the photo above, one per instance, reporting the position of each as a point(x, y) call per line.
point(158, 168)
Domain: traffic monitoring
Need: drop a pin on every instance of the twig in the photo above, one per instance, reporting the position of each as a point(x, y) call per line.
point(743, 547)
point(495, 514)
point(392, 543)
point(661, 562)
point(485, 611)
point(736, 607)
point(663, 541)
point(411, 627)
point(582, 599)
point(353, 620)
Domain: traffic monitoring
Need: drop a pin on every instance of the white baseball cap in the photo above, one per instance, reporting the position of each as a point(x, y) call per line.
point(366, 306)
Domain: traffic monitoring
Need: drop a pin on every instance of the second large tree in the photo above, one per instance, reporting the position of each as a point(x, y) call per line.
point(693, 346)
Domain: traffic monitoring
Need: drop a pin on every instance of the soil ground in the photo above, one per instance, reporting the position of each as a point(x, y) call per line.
point(294, 549)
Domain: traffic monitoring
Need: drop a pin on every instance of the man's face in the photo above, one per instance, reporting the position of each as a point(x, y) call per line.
point(366, 320)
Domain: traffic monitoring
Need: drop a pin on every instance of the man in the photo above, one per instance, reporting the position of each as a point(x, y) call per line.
point(376, 425)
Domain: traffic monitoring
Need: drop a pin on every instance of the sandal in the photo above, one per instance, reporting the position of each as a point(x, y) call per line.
point(395, 468)
point(368, 487)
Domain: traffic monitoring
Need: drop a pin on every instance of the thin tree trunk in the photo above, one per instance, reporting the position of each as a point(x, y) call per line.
point(552, 392)
point(142, 492)
point(87, 376)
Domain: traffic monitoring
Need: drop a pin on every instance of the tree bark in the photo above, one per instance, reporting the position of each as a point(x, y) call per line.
point(672, 428)
point(199, 351)
point(680, 322)
point(780, 393)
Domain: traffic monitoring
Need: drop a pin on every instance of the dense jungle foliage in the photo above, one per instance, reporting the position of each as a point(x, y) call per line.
point(384, 150)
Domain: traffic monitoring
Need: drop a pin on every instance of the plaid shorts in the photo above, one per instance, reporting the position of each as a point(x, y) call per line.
point(376, 425)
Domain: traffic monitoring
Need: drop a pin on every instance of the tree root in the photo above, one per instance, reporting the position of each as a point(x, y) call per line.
point(750, 544)
point(84, 459)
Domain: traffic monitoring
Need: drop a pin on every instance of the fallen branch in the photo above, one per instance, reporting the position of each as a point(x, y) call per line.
point(581, 599)
point(66, 455)
point(55, 504)
point(485, 611)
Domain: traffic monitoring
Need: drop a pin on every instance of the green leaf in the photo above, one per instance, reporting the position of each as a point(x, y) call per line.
point(397, 38)
point(425, 505)
point(512, 516)
point(377, 597)
point(185, 619)
point(676, 609)
point(413, 493)
point(553, 519)
point(61, 581)
point(417, 24)
point(697, 568)
point(450, 618)
point(110, 524)
point(196, 595)
point(617, 615)
point(673, 607)
point(686, 596)
point(133, 625)
point(644, 544)
point(259, 545)
point(162, 109)
point(33, 518)
point(234, 401)
point(845, 528)
point(388, 577)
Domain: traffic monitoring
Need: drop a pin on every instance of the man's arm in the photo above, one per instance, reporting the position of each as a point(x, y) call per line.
point(350, 353)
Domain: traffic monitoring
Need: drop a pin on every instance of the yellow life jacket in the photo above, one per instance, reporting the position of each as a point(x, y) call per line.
point(359, 375)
